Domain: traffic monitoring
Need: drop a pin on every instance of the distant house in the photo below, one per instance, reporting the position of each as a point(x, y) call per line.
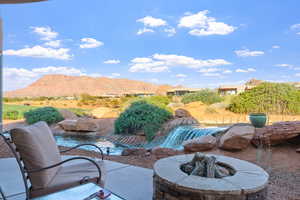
point(181, 91)
point(237, 89)
point(231, 89)
point(140, 94)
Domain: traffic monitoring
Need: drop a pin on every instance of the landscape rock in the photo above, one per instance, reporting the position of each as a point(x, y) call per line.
point(81, 124)
point(276, 133)
point(67, 114)
point(237, 137)
point(203, 143)
point(134, 152)
point(160, 152)
point(180, 113)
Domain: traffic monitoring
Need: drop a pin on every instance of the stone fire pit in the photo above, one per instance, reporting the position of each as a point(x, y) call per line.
point(247, 182)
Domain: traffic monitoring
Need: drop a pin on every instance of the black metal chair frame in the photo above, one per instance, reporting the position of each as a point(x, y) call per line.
point(2, 194)
point(25, 172)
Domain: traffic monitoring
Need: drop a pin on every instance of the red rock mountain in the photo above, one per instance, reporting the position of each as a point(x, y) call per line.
point(62, 85)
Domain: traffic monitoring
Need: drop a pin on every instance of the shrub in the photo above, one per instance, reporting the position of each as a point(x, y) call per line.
point(205, 96)
point(210, 110)
point(11, 115)
point(275, 98)
point(141, 116)
point(47, 114)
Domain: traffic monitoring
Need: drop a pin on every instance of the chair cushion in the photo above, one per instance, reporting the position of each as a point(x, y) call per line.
point(71, 175)
point(38, 149)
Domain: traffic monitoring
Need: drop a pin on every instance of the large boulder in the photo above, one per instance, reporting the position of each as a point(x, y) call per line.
point(67, 114)
point(160, 152)
point(134, 152)
point(180, 113)
point(237, 137)
point(203, 143)
point(81, 124)
point(276, 133)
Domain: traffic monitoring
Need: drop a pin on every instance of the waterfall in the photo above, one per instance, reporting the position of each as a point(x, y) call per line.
point(183, 133)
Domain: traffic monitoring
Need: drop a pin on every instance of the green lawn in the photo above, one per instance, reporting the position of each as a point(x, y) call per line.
point(14, 112)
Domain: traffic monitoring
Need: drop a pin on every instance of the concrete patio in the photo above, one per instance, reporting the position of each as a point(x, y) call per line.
point(120, 179)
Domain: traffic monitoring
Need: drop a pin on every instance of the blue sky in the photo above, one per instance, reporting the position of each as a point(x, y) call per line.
point(193, 43)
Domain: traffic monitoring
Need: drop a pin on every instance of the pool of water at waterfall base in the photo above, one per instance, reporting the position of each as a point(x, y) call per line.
point(173, 140)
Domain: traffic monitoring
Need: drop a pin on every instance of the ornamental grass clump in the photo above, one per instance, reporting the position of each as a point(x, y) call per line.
point(47, 114)
point(142, 116)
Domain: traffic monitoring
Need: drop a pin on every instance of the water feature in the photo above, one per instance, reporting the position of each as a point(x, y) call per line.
point(183, 133)
point(173, 140)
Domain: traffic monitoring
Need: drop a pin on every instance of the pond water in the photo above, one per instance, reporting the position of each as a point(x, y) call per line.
point(173, 140)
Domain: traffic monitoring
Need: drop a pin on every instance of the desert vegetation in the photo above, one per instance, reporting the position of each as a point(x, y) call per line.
point(273, 98)
point(206, 96)
point(48, 114)
point(142, 116)
point(280, 101)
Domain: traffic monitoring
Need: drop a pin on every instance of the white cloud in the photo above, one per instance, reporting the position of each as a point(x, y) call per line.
point(245, 70)
point(275, 47)
point(154, 66)
point(241, 70)
point(162, 62)
point(212, 74)
point(141, 60)
point(251, 70)
point(202, 25)
point(227, 71)
point(111, 62)
point(247, 53)
point(16, 78)
point(296, 27)
point(145, 30)
point(208, 70)
point(53, 43)
point(45, 32)
point(285, 65)
point(298, 74)
point(57, 70)
point(170, 31)
point(88, 43)
point(114, 75)
point(181, 75)
point(152, 22)
point(40, 52)
point(178, 60)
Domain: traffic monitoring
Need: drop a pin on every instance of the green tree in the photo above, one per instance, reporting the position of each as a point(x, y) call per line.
point(274, 98)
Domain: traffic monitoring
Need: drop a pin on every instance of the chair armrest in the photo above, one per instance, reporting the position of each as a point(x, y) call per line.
point(2, 194)
point(67, 160)
point(87, 144)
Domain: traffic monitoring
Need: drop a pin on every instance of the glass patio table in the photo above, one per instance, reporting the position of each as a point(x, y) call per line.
point(78, 193)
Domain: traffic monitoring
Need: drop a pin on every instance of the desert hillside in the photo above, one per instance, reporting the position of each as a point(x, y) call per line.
point(62, 85)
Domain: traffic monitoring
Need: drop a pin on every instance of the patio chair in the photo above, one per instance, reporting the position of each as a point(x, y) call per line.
point(41, 164)
point(2, 196)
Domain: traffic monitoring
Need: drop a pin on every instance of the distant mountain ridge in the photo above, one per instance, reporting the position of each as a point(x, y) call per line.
point(63, 85)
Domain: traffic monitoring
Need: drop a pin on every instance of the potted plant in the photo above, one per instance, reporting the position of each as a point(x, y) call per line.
point(258, 120)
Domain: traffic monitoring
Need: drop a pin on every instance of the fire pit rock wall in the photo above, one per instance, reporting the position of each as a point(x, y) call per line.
point(170, 183)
